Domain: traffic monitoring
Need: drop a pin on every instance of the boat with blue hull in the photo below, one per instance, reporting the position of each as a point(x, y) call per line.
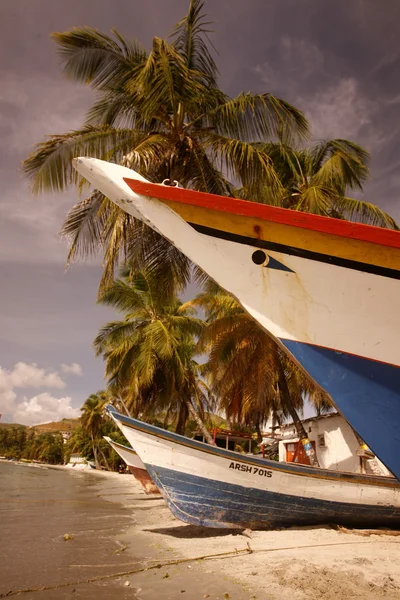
point(213, 487)
point(327, 290)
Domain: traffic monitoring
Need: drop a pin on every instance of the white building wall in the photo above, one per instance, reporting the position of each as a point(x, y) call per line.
point(341, 445)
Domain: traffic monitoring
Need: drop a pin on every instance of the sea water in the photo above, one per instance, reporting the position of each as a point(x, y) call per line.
point(41, 506)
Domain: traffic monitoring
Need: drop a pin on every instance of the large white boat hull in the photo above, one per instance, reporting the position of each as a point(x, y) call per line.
point(209, 486)
point(330, 299)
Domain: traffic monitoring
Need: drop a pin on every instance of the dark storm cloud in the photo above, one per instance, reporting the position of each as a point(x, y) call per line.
point(337, 60)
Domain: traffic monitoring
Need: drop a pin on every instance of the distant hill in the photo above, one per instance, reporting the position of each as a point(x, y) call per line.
point(64, 426)
point(216, 420)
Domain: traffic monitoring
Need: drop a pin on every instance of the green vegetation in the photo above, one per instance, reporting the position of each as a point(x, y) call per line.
point(150, 353)
point(20, 442)
point(27, 443)
point(87, 439)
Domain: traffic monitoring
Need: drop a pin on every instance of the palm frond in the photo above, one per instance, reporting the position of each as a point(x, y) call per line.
point(244, 161)
point(204, 176)
point(150, 251)
point(165, 81)
point(120, 365)
point(94, 58)
point(255, 117)
point(49, 166)
point(84, 225)
point(118, 110)
point(125, 298)
point(186, 324)
point(115, 334)
point(364, 212)
point(146, 361)
point(340, 163)
point(191, 37)
point(163, 340)
point(244, 363)
point(315, 199)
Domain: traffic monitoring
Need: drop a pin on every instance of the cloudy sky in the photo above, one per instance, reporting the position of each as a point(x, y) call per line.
point(336, 60)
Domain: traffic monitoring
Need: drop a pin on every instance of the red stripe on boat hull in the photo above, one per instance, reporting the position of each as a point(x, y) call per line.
point(346, 229)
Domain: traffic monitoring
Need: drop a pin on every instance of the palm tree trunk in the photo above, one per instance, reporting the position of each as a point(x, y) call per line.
point(259, 434)
point(124, 406)
point(182, 419)
point(105, 460)
point(96, 462)
point(301, 432)
point(199, 422)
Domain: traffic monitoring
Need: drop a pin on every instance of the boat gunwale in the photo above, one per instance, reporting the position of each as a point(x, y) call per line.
point(265, 212)
point(300, 470)
point(111, 442)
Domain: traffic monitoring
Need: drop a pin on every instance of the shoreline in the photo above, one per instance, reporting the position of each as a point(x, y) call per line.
point(104, 554)
point(58, 535)
point(303, 563)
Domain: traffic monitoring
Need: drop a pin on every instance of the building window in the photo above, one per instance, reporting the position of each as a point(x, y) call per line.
point(321, 440)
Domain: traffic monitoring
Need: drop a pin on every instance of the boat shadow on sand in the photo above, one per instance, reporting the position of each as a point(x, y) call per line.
point(194, 531)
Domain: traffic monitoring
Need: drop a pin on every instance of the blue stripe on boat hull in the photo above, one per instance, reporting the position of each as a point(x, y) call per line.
point(212, 503)
point(366, 392)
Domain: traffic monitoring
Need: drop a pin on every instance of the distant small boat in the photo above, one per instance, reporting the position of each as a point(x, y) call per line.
point(136, 466)
point(78, 462)
point(214, 487)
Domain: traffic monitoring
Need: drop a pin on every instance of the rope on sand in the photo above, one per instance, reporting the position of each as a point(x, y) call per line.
point(159, 565)
point(168, 563)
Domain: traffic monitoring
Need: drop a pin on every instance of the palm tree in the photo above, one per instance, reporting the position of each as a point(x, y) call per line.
point(80, 441)
point(92, 421)
point(161, 113)
point(317, 179)
point(149, 354)
point(248, 372)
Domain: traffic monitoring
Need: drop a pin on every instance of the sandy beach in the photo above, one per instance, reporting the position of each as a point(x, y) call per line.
point(125, 544)
point(295, 563)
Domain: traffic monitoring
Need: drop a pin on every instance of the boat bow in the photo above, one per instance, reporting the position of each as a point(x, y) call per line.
point(327, 290)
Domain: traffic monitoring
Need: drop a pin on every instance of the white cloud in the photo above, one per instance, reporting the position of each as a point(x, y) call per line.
point(7, 402)
point(72, 369)
point(24, 375)
point(337, 108)
point(339, 111)
point(29, 376)
point(44, 408)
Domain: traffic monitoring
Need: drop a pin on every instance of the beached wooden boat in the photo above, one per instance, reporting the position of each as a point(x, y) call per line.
point(326, 289)
point(135, 465)
point(214, 487)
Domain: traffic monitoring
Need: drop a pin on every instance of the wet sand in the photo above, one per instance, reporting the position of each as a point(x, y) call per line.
point(305, 563)
point(38, 506)
point(115, 528)
point(100, 512)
